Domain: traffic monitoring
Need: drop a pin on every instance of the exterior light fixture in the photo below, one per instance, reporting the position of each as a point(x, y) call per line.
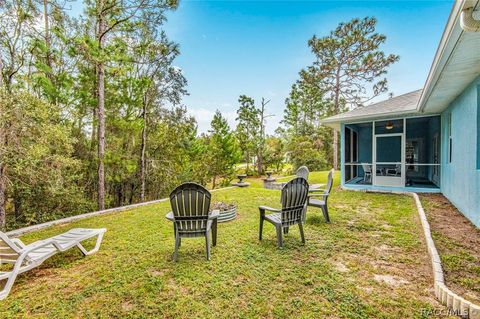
point(389, 125)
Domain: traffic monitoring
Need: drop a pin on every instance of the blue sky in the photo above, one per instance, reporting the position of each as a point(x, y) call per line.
point(230, 48)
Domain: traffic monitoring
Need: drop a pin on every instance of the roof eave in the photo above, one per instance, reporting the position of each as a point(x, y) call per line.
point(337, 121)
point(450, 37)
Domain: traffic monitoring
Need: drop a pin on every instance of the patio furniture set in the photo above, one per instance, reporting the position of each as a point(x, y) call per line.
point(191, 217)
point(392, 171)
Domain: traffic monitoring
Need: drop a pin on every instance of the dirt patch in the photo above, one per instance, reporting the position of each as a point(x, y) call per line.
point(156, 273)
point(340, 267)
point(393, 281)
point(127, 306)
point(458, 242)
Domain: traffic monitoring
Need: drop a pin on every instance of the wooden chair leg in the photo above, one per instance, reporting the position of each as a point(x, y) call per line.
point(285, 230)
point(279, 236)
point(302, 235)
point(207, 244)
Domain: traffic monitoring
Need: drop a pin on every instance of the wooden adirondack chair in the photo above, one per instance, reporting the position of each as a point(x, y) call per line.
point(323, 193)
point(293, 198)
point(191, 215)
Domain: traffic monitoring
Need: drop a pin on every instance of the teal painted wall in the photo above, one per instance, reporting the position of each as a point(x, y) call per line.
point(342, 154)
point(460, 179)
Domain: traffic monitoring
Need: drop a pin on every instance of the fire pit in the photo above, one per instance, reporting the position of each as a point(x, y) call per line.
point(228, 212)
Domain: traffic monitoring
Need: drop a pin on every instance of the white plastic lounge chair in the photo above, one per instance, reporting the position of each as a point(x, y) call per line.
point(25, 257)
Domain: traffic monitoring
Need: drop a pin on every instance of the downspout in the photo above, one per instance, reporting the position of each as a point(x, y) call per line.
point(468, 22)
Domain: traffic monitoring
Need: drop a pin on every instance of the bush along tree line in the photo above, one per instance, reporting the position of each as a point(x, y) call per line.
point(91, 112)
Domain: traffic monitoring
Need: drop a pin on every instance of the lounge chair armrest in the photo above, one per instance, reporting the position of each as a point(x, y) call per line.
point(276, 210)
point(214, 214)
point(18, 242)
point(48, 242)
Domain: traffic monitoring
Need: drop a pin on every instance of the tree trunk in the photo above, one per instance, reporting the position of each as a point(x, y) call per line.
point(337, 108)
point(1, 73)
point(142, 156)
point(93, 137)
point(335, 149)
point(132, 192)
point(262, 136)
point(259, 162)
point(101, 111)
point(3, 199)
point(17, 206)
point(47, 39)
point(3, 182)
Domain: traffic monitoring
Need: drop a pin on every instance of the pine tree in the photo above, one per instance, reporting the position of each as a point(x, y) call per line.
point(350, 65)
point(223, 150)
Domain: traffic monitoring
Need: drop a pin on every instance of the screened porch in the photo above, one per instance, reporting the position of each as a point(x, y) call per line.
point(393, 153)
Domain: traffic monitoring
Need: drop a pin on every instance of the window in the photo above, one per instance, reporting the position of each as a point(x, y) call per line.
point(449, 134)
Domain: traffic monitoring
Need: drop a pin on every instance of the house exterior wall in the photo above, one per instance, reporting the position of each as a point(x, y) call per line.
point(342, 154)
point(460, 178)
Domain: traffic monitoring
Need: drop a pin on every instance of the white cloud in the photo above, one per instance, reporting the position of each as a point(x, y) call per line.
point(271, 93)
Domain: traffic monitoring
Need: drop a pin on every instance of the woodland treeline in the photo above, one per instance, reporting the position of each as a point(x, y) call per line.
point(91, 112)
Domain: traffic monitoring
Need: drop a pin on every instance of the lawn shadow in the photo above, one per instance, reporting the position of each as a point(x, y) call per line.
point(316, 219)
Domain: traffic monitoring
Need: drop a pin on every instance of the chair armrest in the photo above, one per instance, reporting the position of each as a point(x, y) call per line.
point(276, 210)
point(318, 195)
point(214, 214)
point(18, 242)
point(316, 190)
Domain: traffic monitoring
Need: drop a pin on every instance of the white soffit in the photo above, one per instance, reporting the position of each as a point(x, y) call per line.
point(456, 65)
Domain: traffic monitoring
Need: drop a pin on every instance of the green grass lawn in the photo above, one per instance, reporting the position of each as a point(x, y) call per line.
point(369, 263)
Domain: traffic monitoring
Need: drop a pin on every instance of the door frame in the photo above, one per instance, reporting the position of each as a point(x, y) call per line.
point(436, 159)
point(402, 156)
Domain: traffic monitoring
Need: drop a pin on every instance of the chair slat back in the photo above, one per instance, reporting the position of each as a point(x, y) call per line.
point(294, 198)
point(329, 185)
point(190, 205)
point(366, 168)
point(9, 252)
point(303, 171)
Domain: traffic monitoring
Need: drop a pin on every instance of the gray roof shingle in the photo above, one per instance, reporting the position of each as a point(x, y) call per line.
point(405, 103)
